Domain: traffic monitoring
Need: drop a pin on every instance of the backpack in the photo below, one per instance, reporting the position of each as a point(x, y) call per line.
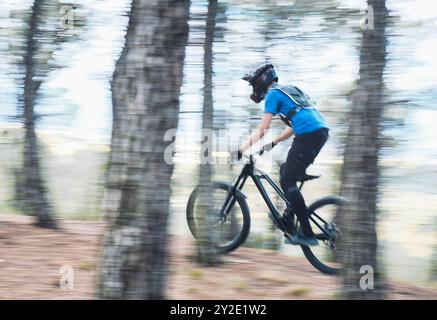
point(301, 99)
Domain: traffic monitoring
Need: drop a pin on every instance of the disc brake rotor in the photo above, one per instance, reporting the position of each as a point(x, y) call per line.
point(334, 235)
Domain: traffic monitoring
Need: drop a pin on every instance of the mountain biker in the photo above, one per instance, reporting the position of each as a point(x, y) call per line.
point(310, 131)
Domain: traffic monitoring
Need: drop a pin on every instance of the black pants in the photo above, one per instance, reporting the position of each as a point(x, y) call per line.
point(303, 151)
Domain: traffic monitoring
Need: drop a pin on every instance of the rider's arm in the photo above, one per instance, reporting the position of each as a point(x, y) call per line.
point(287, 133)
point(259, 132)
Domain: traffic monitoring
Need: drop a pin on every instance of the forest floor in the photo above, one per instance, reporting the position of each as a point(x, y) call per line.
point(31, 259)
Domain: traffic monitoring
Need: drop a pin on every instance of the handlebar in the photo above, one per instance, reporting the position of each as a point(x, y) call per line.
point(260, 152)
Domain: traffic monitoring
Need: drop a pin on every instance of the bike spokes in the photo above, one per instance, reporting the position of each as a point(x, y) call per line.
point(224, 216)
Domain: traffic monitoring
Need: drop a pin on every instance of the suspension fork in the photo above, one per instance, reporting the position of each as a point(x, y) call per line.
point(231, 199)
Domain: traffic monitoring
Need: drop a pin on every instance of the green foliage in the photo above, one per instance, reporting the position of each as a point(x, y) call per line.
point(241, 286)
point(298, 292)
point(195, 274)
point(88, 266)
point(258, 240)
point(193, 291)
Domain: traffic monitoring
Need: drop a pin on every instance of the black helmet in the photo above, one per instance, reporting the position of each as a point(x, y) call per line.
point(260, 79)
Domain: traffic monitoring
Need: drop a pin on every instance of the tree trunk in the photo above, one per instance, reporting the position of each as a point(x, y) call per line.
point(34, 191)
point(206, 252)
point(360, 171)
point(145, 90)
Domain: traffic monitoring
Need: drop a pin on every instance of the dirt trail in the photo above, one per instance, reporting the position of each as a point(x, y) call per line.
point(31, 258)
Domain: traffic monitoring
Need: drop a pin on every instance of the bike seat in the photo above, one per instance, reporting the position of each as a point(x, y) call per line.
point(308, 177)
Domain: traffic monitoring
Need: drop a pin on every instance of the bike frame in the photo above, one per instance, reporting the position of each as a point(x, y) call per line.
point(249, 170)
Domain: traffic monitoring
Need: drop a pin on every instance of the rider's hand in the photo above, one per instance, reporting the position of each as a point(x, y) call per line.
point(236, 155)
point(267, 147)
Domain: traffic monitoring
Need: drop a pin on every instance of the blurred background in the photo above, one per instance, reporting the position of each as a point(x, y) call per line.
point(312, 44)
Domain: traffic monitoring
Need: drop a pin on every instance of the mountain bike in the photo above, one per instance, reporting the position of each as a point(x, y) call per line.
point(231, 215)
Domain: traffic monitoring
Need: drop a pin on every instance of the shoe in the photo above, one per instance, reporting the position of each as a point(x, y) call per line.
point(298, 239)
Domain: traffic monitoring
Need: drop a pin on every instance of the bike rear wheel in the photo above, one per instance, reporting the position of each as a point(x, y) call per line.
point(324, 256)
point(230, 231)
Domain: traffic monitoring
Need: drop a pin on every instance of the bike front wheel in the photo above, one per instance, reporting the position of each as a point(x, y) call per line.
point(229, 229)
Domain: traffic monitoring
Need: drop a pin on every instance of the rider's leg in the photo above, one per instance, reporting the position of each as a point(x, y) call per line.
point(302, 153)
point(295, 197)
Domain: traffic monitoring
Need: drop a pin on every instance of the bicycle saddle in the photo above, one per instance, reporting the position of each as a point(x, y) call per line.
point(308, 177)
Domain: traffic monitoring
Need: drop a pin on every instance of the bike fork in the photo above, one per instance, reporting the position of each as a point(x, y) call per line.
point(231, 199)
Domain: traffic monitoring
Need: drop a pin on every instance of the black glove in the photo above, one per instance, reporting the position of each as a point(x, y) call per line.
point(267, 147)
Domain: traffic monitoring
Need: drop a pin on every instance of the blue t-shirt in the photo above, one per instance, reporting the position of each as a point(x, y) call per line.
point(304, 121)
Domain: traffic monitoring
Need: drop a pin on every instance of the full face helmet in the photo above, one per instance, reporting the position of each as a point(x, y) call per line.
point(260, 79)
